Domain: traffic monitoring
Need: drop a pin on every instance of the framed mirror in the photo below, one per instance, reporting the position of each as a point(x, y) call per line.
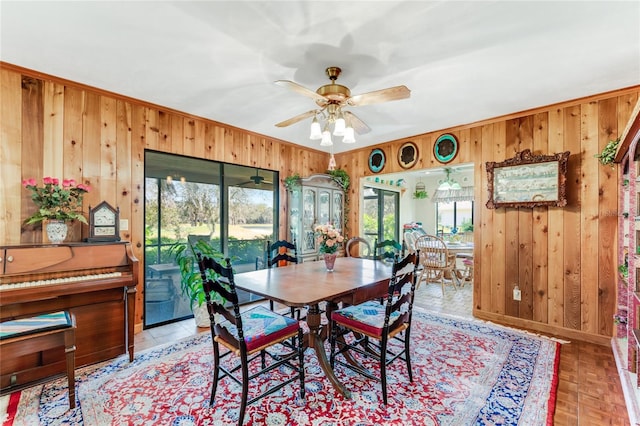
point(528, 180)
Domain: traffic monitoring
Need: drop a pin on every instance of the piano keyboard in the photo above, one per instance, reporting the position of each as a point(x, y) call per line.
point(64, 280)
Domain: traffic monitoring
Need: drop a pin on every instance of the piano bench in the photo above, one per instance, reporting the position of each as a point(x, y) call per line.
point(31, 335)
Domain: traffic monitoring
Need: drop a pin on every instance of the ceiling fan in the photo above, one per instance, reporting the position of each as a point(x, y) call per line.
point(256, 180)
point(331, 98)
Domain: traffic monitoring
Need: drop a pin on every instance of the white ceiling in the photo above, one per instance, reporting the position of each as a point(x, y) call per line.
point(463, 61)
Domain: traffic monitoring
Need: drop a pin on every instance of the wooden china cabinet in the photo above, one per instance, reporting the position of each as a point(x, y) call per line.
point(318, 200)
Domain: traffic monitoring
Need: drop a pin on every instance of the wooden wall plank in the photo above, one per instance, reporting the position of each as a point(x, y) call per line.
point(11, 192)
point(492, 278)
point(511, 230)
point(92, 167)
point(123, 162)
point(177, 134)
point(525, 232)
point(151, 128)
point(73, 144)
point(189, 139)
point(165, 139)
point(32, 133)
point(607, 225)
point(555, 246)
point(475, 138)
point(571, 231)
point(589, 196)
point(53, 129)
point(540, 229)
point(109, 120)
point(136, 220)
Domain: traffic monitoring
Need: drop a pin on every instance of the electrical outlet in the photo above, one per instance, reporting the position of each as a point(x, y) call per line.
point(516, 294)
point(124, 224)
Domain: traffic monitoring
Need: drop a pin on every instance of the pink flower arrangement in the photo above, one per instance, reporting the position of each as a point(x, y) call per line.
point(55, 201)
point(328, 238)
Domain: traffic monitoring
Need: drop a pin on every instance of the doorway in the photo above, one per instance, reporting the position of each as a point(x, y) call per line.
point(380, 215)
point(447, 212)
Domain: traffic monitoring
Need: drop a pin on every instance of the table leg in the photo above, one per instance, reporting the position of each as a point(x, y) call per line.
point(317, 343)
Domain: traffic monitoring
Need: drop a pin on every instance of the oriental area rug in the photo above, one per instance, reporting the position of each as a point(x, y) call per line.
point(466, 372)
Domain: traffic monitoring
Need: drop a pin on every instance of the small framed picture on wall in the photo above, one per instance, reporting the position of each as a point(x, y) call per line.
point(408, 155)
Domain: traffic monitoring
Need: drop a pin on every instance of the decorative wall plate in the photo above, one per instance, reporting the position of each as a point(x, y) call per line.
point(376, 160)
point(446, 148)
point(407, 155)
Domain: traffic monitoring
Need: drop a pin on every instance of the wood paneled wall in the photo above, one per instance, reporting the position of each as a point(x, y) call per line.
point(562, 259)
point(53, 127)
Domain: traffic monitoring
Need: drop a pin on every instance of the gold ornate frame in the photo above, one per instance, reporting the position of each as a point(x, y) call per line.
point(528, 181)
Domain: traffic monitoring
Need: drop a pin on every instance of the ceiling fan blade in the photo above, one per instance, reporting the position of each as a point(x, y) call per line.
point(302, 90)
point(297, 118)
point(358, 125)
point(379, 96)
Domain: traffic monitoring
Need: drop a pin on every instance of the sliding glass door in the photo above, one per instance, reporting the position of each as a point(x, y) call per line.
point(381, 209)
point(235, 207)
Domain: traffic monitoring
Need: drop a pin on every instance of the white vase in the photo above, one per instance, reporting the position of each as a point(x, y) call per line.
point(56, 231)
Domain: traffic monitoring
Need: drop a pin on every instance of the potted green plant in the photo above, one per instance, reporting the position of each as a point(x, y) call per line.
point(190, 279)
point(420, 194)
point(58, 202)
point(608, 153)
point(292, 182)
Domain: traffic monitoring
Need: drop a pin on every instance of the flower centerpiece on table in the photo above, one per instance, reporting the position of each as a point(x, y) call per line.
point(55, 200)
point(328, 238)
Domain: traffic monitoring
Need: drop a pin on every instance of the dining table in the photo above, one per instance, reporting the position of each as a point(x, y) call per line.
point(309, 284)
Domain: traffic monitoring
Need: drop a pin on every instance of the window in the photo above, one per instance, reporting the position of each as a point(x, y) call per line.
point(200, 198)
point(453, 218)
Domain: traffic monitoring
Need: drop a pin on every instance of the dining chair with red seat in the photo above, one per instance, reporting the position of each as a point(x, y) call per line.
point(248, 336)
point(375, 325)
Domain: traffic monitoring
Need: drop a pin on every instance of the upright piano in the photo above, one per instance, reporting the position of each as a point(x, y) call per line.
point(95, 281)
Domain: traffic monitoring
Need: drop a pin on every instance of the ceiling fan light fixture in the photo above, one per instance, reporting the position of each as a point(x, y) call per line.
point(316, 130)
point(331, 98)
point(349, 135)
point(326, 138)
point(455, 186)
point(339, 125)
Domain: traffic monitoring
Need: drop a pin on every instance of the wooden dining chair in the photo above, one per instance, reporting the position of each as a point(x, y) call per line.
point(281, 253)
point(374, 325)
point(357, 247)
point(250, 335)
point(436, 261)
point(387, 250)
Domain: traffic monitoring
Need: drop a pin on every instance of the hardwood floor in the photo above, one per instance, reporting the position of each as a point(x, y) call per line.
point(589, 390)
